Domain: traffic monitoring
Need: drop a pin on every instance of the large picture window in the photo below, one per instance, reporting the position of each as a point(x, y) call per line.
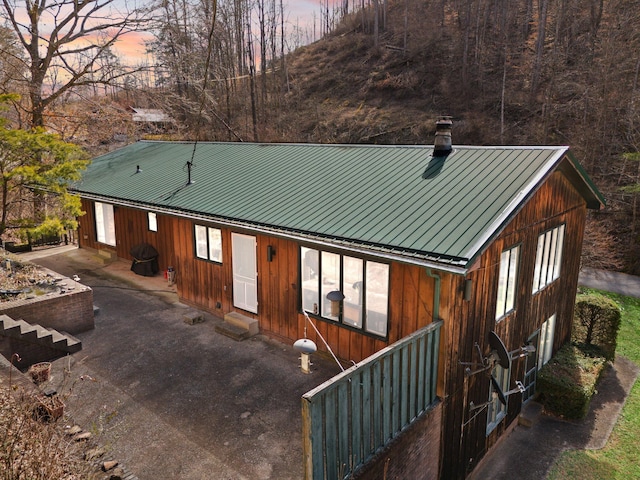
point(208, 243)
point(105, 224)
point(507, 282)
point(364, 284)
point(548, 258)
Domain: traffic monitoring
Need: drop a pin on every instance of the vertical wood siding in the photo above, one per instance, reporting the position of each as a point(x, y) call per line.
point(131, 229)
point(209, 285)
point(468, 322)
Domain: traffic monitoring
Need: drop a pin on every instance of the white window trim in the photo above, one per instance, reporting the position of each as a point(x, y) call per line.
point(315, 288)
point(496, 411)
point(105, 223)
point(507, 282)
point(208, 243)
point(548, 258)
point(545, 344)
point(152, 221)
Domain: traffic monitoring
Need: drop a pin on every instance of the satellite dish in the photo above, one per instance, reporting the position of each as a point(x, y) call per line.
point(496, 344)
point(498, 391)
point(304, 345)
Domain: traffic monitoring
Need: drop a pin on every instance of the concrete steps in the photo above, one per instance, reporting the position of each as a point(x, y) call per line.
point(37, 334)
point(238, 326)
point(105, 257)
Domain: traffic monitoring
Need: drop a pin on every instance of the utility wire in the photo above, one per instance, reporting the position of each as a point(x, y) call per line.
point(205, 80)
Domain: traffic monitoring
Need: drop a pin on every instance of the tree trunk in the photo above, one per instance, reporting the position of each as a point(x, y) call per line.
point(252, 83)
point(376, 22)
point(542, 30)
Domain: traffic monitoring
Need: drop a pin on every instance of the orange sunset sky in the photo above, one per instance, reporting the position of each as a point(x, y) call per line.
point(131, 48)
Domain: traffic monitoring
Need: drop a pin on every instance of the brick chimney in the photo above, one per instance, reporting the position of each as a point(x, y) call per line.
point(442, 144)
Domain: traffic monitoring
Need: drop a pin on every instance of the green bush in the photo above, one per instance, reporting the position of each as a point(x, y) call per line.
point(596, 322)
point(568, 381)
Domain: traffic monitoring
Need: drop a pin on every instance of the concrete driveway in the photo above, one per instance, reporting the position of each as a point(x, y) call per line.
point(614, 282)
point(179, 401)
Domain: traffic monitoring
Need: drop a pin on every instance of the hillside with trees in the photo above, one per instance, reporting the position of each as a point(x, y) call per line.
point(517, 72)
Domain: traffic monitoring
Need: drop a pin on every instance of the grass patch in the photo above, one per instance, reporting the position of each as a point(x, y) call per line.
point(619, 459)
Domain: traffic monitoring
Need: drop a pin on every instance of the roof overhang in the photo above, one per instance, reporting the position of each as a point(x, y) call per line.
point(574, 172)
point(563, 162)
point(455, 266)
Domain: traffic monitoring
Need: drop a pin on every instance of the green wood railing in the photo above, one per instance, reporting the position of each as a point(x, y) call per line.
point(349, 417)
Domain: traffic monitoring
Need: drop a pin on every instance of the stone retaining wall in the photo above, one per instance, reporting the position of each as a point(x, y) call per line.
point(71, 311)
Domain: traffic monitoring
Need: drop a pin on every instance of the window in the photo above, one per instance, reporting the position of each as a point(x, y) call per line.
point(105, 224)
point(496, 410)
point(208, 243)
point(530, 369)
point(507, 282)
point(377, 281)
point(548, 258)
point(545, 347)
point(153, 221)
point(352, 304)
point(364, 284)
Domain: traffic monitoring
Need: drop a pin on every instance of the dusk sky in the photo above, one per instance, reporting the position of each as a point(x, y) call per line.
point(297, 12)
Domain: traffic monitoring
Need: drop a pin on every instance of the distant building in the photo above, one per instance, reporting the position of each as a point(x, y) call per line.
point(149, 115)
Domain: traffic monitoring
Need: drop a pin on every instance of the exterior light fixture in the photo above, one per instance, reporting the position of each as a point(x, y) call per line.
point(335, 297)
point(468, 289)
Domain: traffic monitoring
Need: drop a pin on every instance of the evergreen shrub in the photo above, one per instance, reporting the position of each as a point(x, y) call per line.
point(568, 381)
point(596, 323)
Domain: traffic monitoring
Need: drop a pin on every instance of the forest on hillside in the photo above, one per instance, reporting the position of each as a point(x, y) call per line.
point(517, 72)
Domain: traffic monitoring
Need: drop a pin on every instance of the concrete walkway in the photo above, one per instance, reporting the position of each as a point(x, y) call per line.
point(527, 453)
point(178, 401)
point(614, 282)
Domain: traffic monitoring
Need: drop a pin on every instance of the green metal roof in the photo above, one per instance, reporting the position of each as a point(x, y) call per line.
point(395, 199)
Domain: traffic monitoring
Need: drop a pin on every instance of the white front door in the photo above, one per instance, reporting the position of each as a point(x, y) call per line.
point(245, 272)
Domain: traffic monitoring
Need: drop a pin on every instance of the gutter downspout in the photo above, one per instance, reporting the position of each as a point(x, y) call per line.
point(436, 294)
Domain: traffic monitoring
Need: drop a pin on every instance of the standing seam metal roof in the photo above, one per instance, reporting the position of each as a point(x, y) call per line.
point(399, 198)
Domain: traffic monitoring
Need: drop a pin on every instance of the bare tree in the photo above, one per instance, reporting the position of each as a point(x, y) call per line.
point(11, 61)
point(543, 9)
point(66, 38)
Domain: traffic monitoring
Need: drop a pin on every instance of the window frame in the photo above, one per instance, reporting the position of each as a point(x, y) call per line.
point(313, 290)
point(152, 221)
point(211, 243)
point(106, 228)
point(496, 410)
point(508, 275)
point(545, 340)
point(549, 253)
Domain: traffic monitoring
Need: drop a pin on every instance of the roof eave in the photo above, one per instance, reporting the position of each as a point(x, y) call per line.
point(512, 209)
point(579, 178)
point(423, 259)
point(574, 173)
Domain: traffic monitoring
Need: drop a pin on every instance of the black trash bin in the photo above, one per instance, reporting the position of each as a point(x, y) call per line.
point(145, 260)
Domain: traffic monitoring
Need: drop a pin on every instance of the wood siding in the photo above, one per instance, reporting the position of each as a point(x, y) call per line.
point(209, 285)
point(132, 228)
point(468, 322)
